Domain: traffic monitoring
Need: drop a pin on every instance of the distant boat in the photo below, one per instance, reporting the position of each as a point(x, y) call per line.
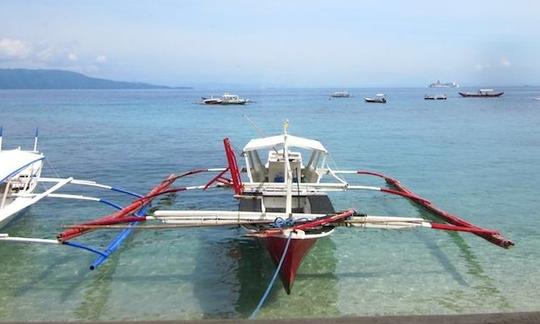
point(482, 93)
point(379, 98)
point(439, 84)
point(435, 97)
point(537, 99)
point(341, 94)
point(226, 99)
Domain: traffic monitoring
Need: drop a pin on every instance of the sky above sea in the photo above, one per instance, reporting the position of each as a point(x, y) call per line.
point(278, 43)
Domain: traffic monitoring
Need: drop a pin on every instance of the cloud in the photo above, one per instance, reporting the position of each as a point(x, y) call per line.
point(14, 49)
point(73, 57)
point(101, 59)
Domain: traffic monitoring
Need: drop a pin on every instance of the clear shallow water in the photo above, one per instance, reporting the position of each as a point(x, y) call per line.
point(478, 158)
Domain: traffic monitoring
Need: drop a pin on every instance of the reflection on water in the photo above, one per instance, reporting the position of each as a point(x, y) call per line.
point(235, 271)
point(482, 283)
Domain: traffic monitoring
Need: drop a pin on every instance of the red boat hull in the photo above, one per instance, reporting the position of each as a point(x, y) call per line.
point(298, 248)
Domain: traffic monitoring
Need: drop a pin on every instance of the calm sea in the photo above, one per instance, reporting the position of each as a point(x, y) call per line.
point(478, 158)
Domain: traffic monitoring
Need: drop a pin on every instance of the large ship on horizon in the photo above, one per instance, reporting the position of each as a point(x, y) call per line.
point(439, 84)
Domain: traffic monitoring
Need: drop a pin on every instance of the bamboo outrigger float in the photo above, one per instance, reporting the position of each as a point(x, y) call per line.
point(282, 202)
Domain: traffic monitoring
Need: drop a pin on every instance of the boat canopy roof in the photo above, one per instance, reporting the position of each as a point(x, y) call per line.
point(486, 90)
point(14, 161)
point(292, 141)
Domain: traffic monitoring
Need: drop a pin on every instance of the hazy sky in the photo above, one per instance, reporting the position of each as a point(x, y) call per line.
point(278, 43)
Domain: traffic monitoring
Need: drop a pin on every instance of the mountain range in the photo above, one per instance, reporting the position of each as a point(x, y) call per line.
point(61, 79)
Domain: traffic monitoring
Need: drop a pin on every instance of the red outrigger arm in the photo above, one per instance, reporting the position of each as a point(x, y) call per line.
point(236, 180)
point(493, 237)
point(232, 168)
point(123, 215)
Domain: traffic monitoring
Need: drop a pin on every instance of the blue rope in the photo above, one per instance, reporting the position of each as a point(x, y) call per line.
point(271, 284)
point(280, 222)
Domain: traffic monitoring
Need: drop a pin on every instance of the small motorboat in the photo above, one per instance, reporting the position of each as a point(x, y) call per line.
point(537, 99)
point(482, 93)
point(379, 98)
point(341, 94)
point(435, 97)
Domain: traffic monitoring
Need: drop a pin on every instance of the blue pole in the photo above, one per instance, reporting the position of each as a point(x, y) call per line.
point(131, 193)
point(109, 203)
point(117, 241)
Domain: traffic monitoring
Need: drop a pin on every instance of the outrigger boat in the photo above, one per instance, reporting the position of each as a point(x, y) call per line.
point(283, 202)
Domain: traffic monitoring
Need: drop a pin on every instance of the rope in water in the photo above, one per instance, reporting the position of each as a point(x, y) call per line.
point(271, 284)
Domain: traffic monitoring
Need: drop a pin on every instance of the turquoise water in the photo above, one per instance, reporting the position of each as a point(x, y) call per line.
point(478, 158)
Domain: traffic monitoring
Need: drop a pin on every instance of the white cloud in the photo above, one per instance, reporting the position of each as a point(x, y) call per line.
point(14, 49)
point(73, 57)
point(505, 62)
point(101, 59)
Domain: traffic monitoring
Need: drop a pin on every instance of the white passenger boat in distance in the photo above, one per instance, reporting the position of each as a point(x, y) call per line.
point(226, 99)
point(439, 84)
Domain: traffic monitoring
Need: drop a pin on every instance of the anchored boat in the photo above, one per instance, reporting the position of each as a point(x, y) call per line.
point(379, 98)
point(283, 202)
point(226, 99)
point(482, 93)
point(435, 97)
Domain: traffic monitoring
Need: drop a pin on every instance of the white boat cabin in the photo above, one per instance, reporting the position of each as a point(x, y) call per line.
point(19, 174)
point(273, 171)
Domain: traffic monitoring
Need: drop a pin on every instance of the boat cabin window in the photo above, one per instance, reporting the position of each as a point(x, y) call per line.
point(257, 170)
point(273, 170)
point(276, 166)
point(316, 161)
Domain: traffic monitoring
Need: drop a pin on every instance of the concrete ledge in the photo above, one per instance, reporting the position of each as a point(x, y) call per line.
point(493, 318)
